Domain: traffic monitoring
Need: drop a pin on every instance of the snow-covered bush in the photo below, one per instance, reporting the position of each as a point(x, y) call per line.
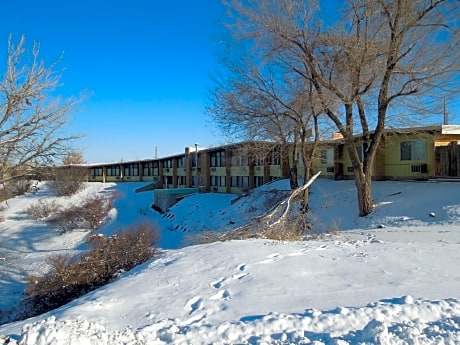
point(89, 215)
point(43, 209)
point(71, 277)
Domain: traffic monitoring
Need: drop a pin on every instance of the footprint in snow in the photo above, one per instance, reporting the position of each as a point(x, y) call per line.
point(270, 258)
point(239, 276)
point(221, 295)
point(218, 283)
point(194, 304)
point(149, 315)
point(241, 267)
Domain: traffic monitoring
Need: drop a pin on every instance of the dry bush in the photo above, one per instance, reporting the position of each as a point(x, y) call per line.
point(127, 248)
point(2, 208)
point(71, 277)
point(297, 227)
point(284, 231)
point(96, 209)
point(320, 228)
point(334, 229)
point(20, 187)
point(14, 188)
point(43, 209)
point(90, 215)
point(66, 182)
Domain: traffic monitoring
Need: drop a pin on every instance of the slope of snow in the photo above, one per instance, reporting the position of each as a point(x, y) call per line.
point(397, 284)
point(26, 243)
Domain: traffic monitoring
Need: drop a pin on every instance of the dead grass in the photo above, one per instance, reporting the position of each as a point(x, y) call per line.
point(297, 227)
point(291, 230)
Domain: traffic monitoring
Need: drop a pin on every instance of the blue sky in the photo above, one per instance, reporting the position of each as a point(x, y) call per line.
point(146, 64)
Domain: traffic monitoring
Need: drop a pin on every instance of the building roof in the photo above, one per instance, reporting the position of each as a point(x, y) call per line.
point(433, 129)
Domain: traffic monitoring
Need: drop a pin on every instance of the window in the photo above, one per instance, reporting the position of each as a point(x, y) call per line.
point(181, 162)
point(131, 169)
point(413, 150)
point(218, 159)
point(259, 160)
point(167, 163)
point(150, 169)
point(360, 153)
point(113, 170)
point(258, 181)
point(194, 158)
point(196, 180)
point(327, 156)
point(239, 159)
point(275, 158)
point(299, 158)
point(240, 181)
point(181, 180)
point(96, 172)
point(218, 181)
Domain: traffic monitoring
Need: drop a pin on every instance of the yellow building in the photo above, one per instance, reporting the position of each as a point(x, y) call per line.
point(408, 153)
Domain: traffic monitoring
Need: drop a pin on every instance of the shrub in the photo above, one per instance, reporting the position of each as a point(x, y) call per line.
point(71, 277)
point(2, 208)
point(19, 187)
point(294, 228)
point(66, 182)
point(89, 215)
point(14, 188)
point(42, 209)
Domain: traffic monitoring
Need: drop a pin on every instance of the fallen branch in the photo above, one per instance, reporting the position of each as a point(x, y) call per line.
point(270, 213)
point(293, 195)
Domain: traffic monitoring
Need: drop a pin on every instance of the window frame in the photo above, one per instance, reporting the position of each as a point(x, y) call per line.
point(412, 150)
point(217, 159)
point(131, 169)
point(113, 170)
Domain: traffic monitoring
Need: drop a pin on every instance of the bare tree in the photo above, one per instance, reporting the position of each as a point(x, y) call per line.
point(74, 157)
point(382, 57)
point(264, 101)
point(31, 117)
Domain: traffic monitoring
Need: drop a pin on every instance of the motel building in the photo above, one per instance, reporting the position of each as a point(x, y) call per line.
point(418, 153)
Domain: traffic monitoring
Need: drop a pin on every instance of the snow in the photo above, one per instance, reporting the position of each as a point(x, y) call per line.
point(389, 278)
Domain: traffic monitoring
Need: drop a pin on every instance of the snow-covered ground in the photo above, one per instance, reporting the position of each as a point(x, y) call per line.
point(390, 278)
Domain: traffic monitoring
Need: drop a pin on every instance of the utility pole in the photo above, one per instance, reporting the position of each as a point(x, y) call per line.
point(196, 166)
point(446, 116)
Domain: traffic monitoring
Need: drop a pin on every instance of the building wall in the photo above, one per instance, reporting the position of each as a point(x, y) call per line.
point(325, 160)
point(245, 167)
point(417, 166)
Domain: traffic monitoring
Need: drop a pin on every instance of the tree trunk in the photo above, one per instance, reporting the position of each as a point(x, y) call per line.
point(305, 196)
point(293, 177)
point(363, 189)
point(293, 174)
